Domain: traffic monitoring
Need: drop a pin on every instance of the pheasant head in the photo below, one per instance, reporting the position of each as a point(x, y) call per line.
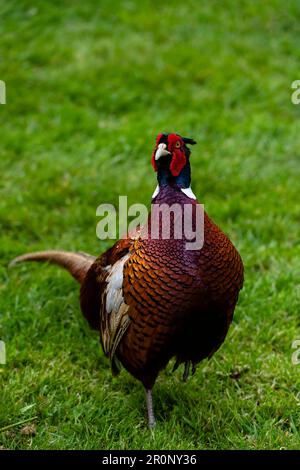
point(171, 160)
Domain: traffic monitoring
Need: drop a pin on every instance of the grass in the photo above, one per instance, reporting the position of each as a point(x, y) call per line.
point(89, 85)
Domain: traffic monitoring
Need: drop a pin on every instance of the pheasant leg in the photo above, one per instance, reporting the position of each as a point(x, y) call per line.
point(151, 418)
point(186, 370)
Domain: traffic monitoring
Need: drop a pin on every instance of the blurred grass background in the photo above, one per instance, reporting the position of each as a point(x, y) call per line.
point(89, 85)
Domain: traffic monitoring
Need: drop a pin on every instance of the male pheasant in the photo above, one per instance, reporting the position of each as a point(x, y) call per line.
point(150, 297)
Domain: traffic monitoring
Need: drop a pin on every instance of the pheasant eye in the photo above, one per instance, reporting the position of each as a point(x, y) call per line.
point(178, 144)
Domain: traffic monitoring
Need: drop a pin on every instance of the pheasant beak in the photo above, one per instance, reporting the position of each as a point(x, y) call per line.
point(161, 151)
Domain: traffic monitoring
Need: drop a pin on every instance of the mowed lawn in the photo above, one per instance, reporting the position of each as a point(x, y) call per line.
point(89, 86)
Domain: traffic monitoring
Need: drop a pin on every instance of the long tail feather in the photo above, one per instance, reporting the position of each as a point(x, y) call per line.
point(77, 264)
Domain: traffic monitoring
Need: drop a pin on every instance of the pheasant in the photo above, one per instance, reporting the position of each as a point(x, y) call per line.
point(151, 298)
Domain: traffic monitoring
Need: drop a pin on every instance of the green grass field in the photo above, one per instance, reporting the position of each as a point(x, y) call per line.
point(89, 85)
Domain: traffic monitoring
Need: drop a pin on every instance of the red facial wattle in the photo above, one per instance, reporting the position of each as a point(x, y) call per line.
point(178, 162)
